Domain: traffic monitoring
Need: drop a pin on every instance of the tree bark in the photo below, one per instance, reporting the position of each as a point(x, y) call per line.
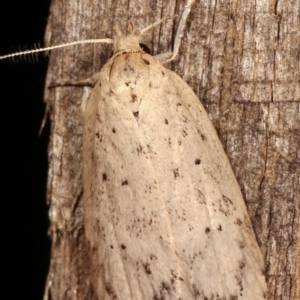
point(242, 60)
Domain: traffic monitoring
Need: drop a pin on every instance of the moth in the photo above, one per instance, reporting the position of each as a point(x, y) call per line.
point(164, 214)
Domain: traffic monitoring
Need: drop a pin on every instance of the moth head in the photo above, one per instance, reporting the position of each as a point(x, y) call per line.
point(129, 42)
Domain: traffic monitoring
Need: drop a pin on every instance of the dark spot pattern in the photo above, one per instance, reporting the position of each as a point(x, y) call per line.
point(146, 61)
point(139, 149)
point(240, 283)
point(176, 173)
point(133, 98)
point(238, 222)
point(136, 114)
point(129, 68)
point(147, 268)
point(110, 291)
point(125, 182)
point(166, 121)
point(123, 247)
point(197, 161)
point(207, 230)
point(104, 177)
point(227, 200)
point(113, 130)
point(242, 265)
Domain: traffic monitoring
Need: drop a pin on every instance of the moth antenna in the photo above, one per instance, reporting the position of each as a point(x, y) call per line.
point(131, 26)
point(117, 30)
point(50, 48)
point(142, 31)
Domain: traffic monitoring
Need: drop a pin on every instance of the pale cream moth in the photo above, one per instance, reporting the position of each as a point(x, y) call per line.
point(164, 214)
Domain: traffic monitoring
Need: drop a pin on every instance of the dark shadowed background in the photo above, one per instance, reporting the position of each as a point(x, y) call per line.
point(25, 244)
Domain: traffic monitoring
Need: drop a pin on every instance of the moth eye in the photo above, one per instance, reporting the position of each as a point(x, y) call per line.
point(145, 48)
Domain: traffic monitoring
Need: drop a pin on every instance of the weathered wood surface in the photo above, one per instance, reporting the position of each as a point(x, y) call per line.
point(242, 59)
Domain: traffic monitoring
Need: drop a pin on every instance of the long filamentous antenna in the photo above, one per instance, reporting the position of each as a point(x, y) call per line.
point(26, 52)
